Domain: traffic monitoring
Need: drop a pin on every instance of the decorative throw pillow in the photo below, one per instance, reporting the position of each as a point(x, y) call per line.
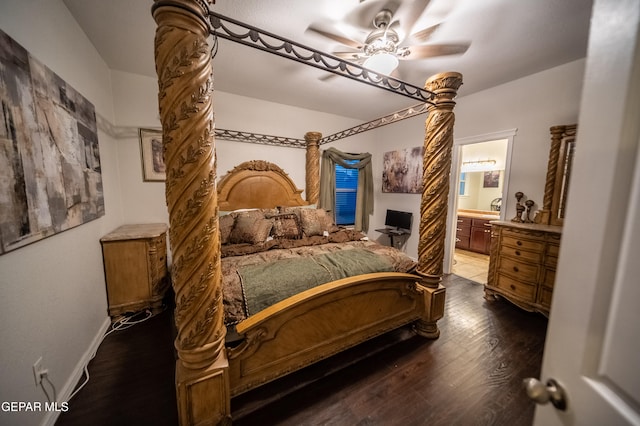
point(269, 212)
point(250, 230)
point(254, 214)
point(316, 222)
point(288, 210)
point(286, 226)
point(225, 223)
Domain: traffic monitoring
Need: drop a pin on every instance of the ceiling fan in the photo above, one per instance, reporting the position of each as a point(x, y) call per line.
point(381, 35)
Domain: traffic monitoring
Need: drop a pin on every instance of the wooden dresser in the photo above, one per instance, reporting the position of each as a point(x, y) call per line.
point(522, 265)
point(135, 266)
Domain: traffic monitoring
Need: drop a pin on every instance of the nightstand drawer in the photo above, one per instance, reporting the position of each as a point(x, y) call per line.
point(158, 258)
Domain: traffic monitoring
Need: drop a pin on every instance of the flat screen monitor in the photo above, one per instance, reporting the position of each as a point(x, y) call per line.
point(399, 220)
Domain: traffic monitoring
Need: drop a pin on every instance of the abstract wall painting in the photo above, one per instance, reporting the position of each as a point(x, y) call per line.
point(50, 175)
point(402, 171)
point(491, 179)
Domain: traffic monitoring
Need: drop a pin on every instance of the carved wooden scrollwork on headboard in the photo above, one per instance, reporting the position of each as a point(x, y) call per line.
point(257, 184)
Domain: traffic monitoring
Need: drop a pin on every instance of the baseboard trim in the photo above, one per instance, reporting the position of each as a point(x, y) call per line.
point(66, 391)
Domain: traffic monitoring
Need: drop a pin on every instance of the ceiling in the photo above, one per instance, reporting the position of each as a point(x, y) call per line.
point(508, 40)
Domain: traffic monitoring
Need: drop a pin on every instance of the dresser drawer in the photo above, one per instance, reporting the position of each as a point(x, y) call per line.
point(522, 290)
point(516, 241)
point(519, 270)
point(548, 277)
point(521, 254)
point(551, 259)
point(545, 297)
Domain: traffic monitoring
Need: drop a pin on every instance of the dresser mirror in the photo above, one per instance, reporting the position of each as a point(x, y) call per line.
point(563, 143)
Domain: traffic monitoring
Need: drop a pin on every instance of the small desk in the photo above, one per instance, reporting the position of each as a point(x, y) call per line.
point(392, 233)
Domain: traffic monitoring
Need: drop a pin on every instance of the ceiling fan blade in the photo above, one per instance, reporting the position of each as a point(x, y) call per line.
point(425, 34)
point(362, 16)
point(335, 37)
point(431, 51)
point(409, 13)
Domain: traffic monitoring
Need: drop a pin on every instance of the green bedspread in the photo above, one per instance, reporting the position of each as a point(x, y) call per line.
point(266, 284)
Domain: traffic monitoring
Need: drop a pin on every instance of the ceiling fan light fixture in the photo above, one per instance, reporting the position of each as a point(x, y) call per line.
point(383, 63)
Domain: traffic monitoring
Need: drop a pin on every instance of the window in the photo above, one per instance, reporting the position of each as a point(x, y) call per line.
point(462, 189)
point(346, 190)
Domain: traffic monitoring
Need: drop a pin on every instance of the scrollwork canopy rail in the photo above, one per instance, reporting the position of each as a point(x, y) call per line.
point(237, 136)
point(272, 43)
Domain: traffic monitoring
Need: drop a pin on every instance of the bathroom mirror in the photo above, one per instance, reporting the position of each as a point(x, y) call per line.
point(563, 143)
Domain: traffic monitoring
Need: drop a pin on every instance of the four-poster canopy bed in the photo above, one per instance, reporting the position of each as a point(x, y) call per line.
point(307, 326)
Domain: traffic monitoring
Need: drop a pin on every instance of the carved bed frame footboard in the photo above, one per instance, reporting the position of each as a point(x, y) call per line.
point(321, 322)
point(207, 373)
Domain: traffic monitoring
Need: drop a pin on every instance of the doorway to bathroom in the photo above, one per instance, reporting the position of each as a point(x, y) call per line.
point(480, 179)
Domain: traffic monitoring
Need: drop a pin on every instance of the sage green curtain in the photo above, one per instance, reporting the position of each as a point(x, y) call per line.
point(364, 196)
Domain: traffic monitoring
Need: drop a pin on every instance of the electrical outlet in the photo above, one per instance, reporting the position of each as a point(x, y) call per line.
point(38, 371)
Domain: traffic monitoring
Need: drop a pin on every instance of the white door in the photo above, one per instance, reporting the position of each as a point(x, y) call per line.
point(593, 339)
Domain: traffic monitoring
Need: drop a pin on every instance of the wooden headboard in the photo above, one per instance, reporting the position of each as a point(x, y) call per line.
point(257, 184)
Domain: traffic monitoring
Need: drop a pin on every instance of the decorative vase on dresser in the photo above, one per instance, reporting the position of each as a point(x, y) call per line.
point(135, 266)
point(522, 264)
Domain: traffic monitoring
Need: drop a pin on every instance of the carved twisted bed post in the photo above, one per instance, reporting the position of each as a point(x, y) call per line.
point(185, 80)
point(435, 189)
point(312, 189)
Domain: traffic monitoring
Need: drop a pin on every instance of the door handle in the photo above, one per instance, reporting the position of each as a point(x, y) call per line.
point(542, 394)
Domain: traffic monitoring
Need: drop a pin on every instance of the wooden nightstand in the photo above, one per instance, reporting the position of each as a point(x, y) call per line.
point(135, 266)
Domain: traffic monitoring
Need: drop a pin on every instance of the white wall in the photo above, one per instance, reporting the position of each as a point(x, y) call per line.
point(52, 292)
point(532, 105)
point(135, 100)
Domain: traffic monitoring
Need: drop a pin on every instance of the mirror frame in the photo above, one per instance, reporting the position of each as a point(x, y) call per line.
point(563, 139)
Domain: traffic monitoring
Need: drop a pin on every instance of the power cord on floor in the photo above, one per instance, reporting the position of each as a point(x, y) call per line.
point(119, 324)
point(45, 376)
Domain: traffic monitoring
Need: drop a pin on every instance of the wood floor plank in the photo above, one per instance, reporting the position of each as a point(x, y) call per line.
point(471, 375)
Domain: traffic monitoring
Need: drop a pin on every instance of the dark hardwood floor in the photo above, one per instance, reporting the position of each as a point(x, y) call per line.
point(471, 375)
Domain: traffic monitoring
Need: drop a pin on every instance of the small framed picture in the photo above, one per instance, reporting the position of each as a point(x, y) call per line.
point(153, 169)
point(491, 179)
